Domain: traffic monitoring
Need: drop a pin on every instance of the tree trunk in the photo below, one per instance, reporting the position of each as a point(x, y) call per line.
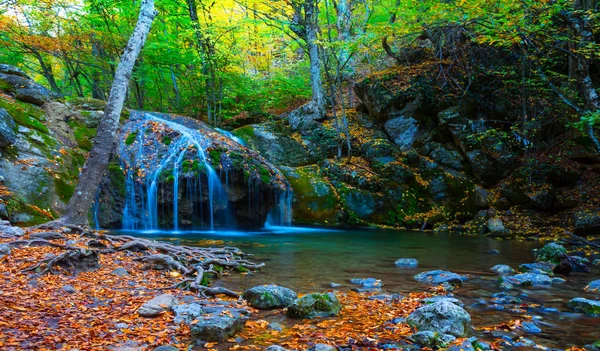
point(311, 25)
point(97, 162)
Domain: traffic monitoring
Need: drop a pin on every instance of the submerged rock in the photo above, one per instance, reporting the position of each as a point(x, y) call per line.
point(157, 305)
point(367, 283)
point(442, 317)
point(504, 298)
point(268, 297)
point(502, 269)
point(593, 286)
point(438, 277)
point(407, 262)
point(586, 306)
point(315, 305)
point(537, 267)
point(525, 279)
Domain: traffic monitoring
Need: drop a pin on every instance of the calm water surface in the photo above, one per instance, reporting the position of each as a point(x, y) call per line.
point(308, 260)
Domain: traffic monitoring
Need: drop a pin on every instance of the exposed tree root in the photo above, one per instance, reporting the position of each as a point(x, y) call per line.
point(80, 254)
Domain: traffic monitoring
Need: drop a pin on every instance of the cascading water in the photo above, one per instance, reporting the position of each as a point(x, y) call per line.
point(231, 136)
point(178, 173)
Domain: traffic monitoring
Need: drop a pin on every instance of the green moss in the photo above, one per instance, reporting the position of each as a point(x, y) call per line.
point(166, 140)
point(215, 156)
point(83, 134)
point(130, 138)
point(64, 188)
point(265, 174)
point(242, 269)
point(117, 178)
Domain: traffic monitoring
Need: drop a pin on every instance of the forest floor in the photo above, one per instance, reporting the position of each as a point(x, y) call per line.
point(98, 309)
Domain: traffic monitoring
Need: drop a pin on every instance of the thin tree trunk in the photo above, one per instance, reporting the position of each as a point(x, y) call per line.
point(97, 162)
point(311, 13)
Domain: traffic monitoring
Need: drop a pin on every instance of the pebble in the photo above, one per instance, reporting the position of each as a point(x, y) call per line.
point(69, 289)
point(530, 327)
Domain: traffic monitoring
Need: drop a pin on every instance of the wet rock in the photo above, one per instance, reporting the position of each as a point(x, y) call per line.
point(275, 326)
point(591, 287)
point(443, 317)
point(587, 222)
point(69, 289)
point(525, 279)
point(218, 324)
point(166, 348)
point(403, 131)
point(10, 230)
point(187, 313)
point(8, 134)
point(407, 262)
point(552, 252)
point(502, 269)
point(434, 299)
point(315, 305)
point(495, 226)
point(335, 285)
point(120, 271)
point(530, 327)
point(367, 283)
point(493, 252)
point(157, 305)
point(537, 267)
point(268, 297)
point(438, 277)
point(324, 347)
point(432, 339)
point(275, 348)
point(586, 306)
point(558, 280)
point(4, 250)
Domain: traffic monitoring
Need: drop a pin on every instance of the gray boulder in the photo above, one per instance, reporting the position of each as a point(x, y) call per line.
point(434, 299)
point(157, 305)
point(8, 135)
point(495, 225)
point(25, 89)
point(438, 277)
point(586, 306)
point(443, 317)
point(268, 297)
point(12, 70)
point(304, 118)
point(315, 305)
point(187, 313)
point(403, 131)
point(218, 324)
point(587, 222)
point(10, 230)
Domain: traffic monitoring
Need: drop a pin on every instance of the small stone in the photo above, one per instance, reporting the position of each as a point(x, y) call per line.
point(166, 348)
point(335, 285)
point(367, 283)
point(442, 317)
point(596, 262)
point(157, 305)
point(407, 262)
point(593, 286)
point(324, 347)
point(558, 280)
point(495, 225)
point(69, 289)
point(502, 269)
point(530, 327)
point(275, 326)
point(275, 348)
point(121, 272)
point(315, 305)
point(438, 277)
point(4, 250)
point(493, 252)
point(525, 279)
point(121, 325)
point(432, 339)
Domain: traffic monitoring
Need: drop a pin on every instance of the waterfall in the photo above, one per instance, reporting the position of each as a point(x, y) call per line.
point(231, 136)
point(189, 142)
point(170, 181)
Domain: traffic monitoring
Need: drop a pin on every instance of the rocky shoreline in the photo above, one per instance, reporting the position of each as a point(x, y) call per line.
point(129, 303)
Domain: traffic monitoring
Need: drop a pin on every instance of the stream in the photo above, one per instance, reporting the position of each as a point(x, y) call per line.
point(309, 260)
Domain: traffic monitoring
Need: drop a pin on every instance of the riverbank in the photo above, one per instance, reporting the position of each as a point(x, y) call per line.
point(97, 306)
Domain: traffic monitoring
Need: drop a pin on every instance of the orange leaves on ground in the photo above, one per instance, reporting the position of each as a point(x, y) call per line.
point(361, 319)
point(38, 313)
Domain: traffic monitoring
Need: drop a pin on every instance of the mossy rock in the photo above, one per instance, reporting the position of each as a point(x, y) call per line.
point(315, 305)
point(552, 252)
point(268, 297)
point(586, 306)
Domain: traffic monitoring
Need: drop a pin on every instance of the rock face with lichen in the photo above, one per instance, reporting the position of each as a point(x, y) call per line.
point(175, 172)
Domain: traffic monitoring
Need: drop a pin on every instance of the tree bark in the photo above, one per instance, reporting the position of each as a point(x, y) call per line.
point(97, 162)
point(311, 27)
